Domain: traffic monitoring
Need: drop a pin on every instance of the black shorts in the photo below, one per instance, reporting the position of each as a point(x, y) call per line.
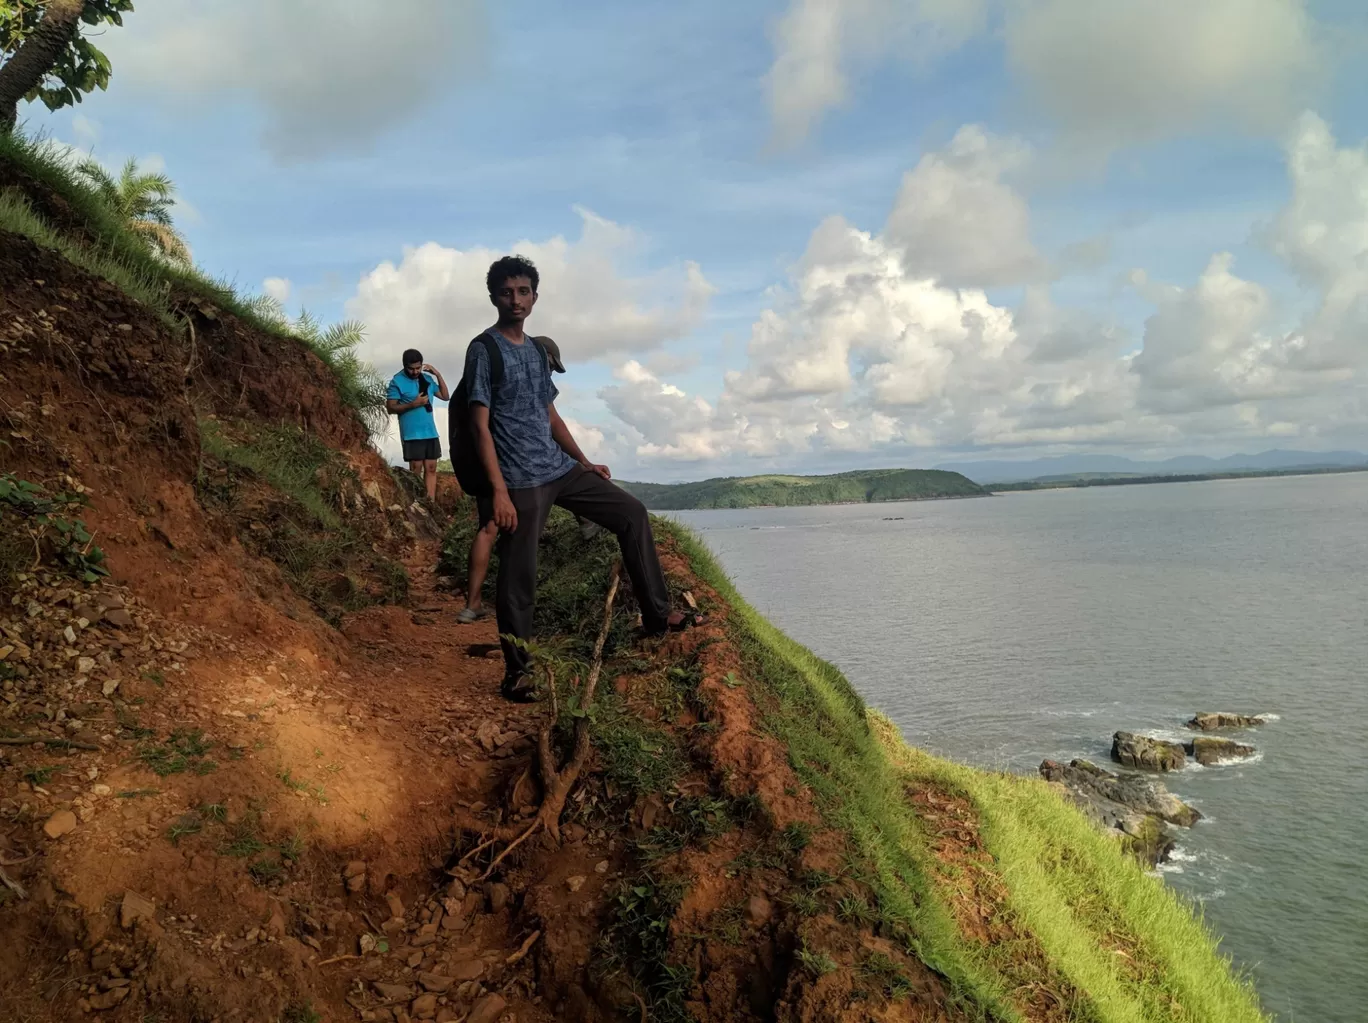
point(428, 450)
point(484, 508)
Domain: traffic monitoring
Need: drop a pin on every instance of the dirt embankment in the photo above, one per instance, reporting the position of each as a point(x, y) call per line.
point(238, 786)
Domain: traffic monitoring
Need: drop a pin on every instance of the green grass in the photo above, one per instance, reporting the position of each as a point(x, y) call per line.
point(82, 227)
point(1067, 884)
point(572, 579)
point(328, 562)
point(17, 216)
point(295, 463)
point(182, 751)
point(636, 944)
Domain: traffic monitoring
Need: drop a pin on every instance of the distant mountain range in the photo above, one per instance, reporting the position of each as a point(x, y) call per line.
point(1109, 465)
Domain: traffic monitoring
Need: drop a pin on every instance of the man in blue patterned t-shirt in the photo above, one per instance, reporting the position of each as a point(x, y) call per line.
point(533, 463)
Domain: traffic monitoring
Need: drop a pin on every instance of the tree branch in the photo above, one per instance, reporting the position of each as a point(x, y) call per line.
point(37, 56)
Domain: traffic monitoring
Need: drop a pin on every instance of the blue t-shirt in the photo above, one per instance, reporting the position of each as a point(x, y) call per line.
point(416, 423)
point(521, 422)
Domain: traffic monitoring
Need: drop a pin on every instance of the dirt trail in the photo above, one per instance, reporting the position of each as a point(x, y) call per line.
point(358, 770)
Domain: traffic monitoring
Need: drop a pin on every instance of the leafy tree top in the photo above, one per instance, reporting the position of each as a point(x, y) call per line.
point(81, 67)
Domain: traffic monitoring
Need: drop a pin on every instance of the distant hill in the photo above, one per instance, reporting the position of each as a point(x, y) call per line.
point(856, 487)
point(1116, 465)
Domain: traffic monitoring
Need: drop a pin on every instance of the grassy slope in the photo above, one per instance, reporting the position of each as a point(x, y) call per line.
point(43, 200)
point(862, 485)
point(1126, 947)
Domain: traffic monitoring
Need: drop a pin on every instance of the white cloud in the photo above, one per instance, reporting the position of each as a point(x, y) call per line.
point(1116, 71)
point(1322, 234)
point(1109, 72)
point(1217, 343)
point(816, 40)
point(278, 288)
point(330, 75)
point(864, 350)
point(959, 222)
point(435, 298)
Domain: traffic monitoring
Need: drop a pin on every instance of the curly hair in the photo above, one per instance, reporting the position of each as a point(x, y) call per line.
point(511, 266)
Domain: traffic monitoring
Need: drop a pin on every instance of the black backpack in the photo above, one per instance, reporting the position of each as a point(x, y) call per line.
point(465, 452)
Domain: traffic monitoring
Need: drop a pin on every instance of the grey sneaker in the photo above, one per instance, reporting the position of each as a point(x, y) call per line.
point(471, 615)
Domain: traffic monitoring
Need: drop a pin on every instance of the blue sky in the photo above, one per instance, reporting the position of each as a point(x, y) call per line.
point(1042, 281)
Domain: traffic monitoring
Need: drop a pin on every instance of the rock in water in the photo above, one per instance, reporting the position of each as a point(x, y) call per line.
point(1210, 722)
point(1142, 795)
point(1142, 751)
point(1207, 750)
point(1093, 789)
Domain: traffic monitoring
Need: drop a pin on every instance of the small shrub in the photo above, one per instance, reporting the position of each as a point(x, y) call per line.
point(818, 964)
point(54, 534)
point(300, 1012)
point(637, 939)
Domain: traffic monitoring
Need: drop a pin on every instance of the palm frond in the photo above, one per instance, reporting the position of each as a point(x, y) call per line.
point(164, 238)
point(269, 308)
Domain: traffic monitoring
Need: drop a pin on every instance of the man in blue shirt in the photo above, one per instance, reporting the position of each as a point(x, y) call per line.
point(533, 463)
point(410, 397)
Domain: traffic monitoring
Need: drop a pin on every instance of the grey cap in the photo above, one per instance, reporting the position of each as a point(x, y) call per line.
point(552, 354)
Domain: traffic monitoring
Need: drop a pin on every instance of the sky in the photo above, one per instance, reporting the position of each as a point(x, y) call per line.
point(798, 235)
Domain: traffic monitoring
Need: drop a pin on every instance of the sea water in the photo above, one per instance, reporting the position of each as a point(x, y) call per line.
point(1000, 631)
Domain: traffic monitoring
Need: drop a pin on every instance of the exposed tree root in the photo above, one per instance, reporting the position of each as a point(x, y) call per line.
point(12, 884)
point(557, 782)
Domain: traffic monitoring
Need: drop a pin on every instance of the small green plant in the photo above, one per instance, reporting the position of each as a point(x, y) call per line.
point(804, 903)
point(695, 818)
point(818, 964)
point(216, 812)
point(731, 681)
point(292, 783)
point(57, 536)
point(138, 793)
point(300, 1012)
point(40, 775)
point(184, 825)
point(244, 837)
point(855, 910)
point(292, 848)
point(266, 871)
point(156, 678)
point(636, 943)
point(795, 837)
point(887, 974)
point(183, 750)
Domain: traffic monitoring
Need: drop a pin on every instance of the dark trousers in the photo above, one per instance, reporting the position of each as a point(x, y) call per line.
point(592, 497)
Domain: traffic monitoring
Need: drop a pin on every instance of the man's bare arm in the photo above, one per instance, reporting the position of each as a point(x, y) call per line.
point(560, 433)
point(505, 515)
point(442, 391)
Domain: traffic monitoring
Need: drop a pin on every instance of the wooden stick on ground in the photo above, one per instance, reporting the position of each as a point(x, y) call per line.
point(29, 740)
point(556, 783)
point(12, 884)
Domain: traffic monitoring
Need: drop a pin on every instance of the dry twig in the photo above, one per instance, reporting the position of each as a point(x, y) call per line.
point(556, 783)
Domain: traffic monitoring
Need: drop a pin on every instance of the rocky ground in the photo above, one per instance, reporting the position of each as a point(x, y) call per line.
point(148, 764)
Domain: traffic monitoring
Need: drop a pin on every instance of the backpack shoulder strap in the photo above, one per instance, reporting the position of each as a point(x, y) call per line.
point(496, 363)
